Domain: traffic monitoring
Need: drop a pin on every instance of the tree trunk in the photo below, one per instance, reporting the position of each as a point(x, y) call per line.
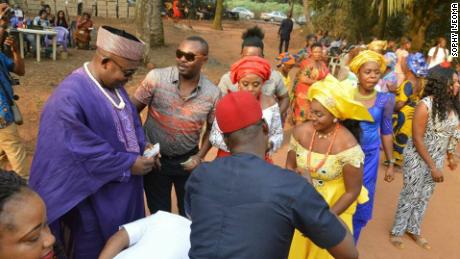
point(291, 7)
point(217, 25)
point(308, 27)
point(382, 18)
point(143, 24)
point(116, 9)
point(418, 37)
point(26, 6)
point(149, 25)
point(55, 8)
point(157, 33)
point(421, 17)
point(107, 8)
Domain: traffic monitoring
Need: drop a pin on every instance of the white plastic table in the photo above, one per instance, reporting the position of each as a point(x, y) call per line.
point(38, 34)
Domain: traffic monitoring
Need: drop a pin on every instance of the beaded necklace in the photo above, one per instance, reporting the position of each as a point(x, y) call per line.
point(321, 163)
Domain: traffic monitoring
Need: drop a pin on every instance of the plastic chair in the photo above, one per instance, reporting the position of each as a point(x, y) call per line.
point(62, 37)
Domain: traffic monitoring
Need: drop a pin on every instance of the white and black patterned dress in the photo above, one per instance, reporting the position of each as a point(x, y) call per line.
point(440, 137)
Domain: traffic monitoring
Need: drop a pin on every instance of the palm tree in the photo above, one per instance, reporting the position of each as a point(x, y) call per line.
point(387, 8)
point(421, 15)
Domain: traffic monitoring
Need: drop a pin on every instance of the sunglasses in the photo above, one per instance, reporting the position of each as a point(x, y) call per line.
point(190, 57)
point(126, 72)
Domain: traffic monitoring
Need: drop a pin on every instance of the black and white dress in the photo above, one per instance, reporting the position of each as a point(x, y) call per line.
point(440, 138)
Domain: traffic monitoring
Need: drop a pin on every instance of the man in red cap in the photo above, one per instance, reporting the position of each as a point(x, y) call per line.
point(243, 207)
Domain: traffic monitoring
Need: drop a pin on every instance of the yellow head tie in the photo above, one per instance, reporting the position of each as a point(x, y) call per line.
point(333, 95)
point(367, 56)
point(377, 45)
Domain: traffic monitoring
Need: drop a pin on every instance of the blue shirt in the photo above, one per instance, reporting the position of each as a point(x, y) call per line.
point(6, 115)
point(14, 21)
point(243, 207)
point(41, 22)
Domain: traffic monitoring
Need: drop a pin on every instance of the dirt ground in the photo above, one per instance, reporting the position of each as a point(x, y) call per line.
point(441, 225)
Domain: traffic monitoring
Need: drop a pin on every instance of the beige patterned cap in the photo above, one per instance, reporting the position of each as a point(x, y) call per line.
point(120, 43)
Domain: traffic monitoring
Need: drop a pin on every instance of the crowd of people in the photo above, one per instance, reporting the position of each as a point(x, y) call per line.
point(94, 161)
point(77, 32)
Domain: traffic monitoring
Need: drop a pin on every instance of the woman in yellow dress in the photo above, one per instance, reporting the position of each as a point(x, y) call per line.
point(325, 150)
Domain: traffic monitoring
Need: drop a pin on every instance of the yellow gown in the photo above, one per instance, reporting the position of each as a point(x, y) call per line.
point(329, 182)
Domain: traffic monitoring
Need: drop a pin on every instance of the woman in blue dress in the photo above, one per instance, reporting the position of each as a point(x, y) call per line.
point(369, 66)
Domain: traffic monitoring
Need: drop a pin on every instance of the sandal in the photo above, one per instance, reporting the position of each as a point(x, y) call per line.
point(396, 241)
point(419, 240)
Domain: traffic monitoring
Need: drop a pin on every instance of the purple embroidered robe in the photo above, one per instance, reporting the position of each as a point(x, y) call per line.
point(84, 153)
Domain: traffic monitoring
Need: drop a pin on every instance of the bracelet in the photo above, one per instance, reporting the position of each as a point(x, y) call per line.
point(389, 162)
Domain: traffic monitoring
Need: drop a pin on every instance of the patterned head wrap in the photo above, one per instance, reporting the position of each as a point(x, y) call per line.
point(285, 58)
point(390, 59)
point(250, 65)
point(367, 56)
point(333, 95)
point(417, 64)
point(126, 46)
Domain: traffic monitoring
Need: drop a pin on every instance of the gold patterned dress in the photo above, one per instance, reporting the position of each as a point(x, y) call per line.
point(329, 182)
point(402, 120)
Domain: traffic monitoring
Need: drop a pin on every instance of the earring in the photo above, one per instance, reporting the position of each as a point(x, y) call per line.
point(335, 120)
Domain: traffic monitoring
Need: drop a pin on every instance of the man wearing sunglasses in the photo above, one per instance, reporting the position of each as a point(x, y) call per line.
point(88, 163)
point(181, 102)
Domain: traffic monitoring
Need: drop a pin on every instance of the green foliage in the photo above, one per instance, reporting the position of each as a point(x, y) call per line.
point(268, 6)
point(358, 19)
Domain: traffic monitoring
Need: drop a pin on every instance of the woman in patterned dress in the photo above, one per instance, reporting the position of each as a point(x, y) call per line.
point(250, 73)
point(330, 144)
point(369, 66)
point(407, 97)
point(285, 62)
point(312, 69)
point(83, 32)
point(434, 135)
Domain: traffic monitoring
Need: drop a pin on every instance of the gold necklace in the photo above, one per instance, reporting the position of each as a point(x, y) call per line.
point(324, 136)
point(359, 96)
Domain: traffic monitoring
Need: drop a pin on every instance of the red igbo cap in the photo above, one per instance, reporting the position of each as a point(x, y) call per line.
point(250, 65)
point(237, 111)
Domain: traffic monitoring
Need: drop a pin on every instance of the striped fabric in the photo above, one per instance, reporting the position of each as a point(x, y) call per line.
point(175, 122)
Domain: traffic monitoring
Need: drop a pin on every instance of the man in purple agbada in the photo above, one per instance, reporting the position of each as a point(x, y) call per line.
point(88, 163)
